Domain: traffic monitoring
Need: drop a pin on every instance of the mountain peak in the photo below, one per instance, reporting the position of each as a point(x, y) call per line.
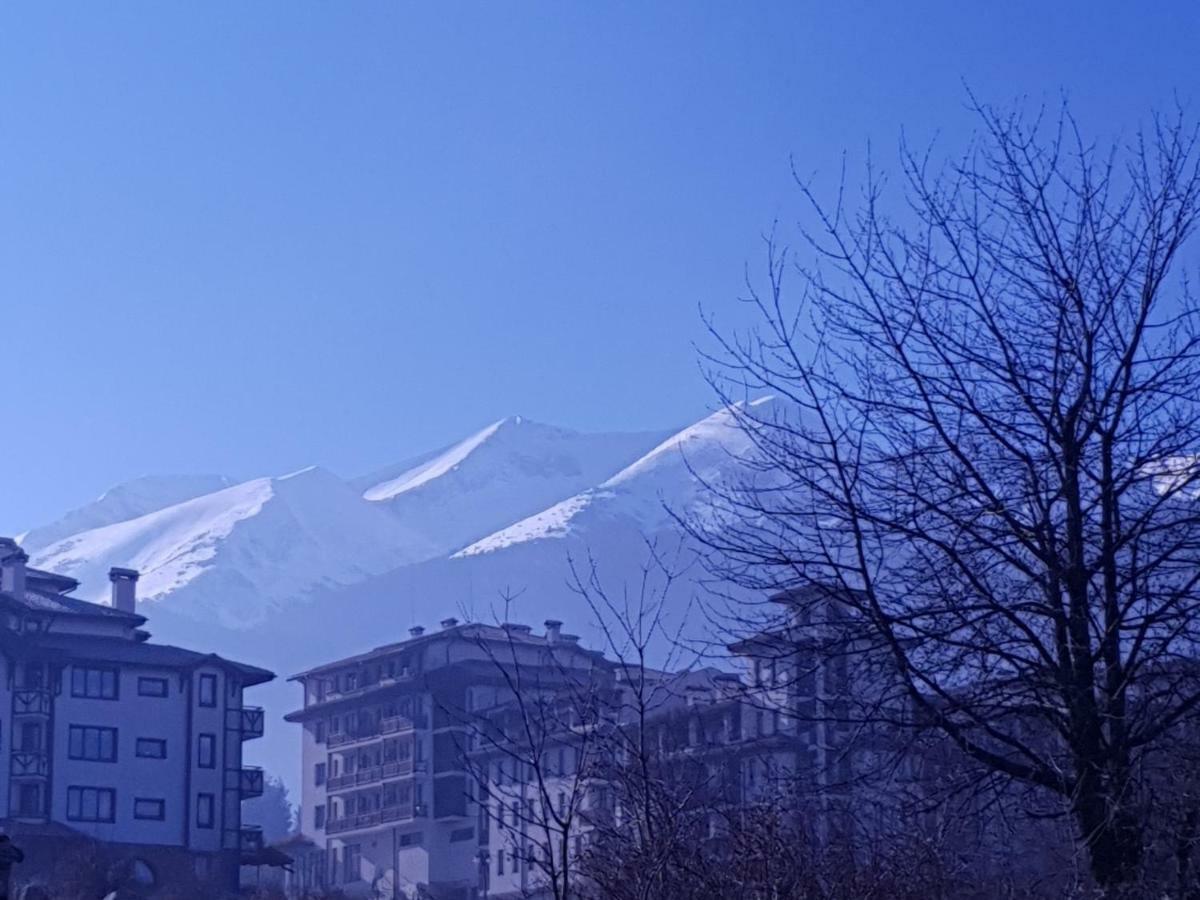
point(637, 492)
point(499, 475)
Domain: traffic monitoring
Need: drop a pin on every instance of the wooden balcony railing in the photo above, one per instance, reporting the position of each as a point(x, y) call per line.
point(249, 721)
point(31, 701)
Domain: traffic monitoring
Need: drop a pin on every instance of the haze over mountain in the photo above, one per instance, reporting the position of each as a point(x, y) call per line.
point(235, 553)
point(292, 571)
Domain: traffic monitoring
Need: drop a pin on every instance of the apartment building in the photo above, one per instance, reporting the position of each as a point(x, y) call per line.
point(417, 756)
point(387, 799)
point(111, 737)
point(787, 730)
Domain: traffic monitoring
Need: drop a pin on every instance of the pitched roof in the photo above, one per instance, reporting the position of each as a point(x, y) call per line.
point(123, 650)
point(40, 600)
point(472, 631)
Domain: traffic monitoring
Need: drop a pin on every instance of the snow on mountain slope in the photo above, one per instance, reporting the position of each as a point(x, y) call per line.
point(672, 474)
point(241, 552)
point(499, 475)
point(440, 465)
point(129, 500)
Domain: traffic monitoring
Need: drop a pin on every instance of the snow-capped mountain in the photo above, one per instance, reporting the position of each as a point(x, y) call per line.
point(239, 553)
point(497, 476)
point(293, 571)
point(126, 501)
point(670, 478)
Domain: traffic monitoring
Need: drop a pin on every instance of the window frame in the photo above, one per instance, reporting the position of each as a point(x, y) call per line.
point(145, 680)
point(82, 691)
point(76, 794)
point(203, 739)
point(203, 800)
point(160, 742)
point(207, 685)
point(82, 731)
point(161, 815)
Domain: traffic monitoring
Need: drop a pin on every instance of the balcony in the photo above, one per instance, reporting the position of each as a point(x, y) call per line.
point(387, 815)
point(249, 721)
point(342, 739)
point(373, 775)
point(396, 725)
point(30, 763)
point(249, 782)
point(31, 702)
point(398, 768)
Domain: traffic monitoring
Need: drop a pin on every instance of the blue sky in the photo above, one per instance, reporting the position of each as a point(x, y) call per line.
point(244, 238)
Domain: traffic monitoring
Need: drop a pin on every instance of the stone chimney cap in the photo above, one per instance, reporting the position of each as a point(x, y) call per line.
point(416, 631)
point(118, 574)
point(449, 622)
point(552, 623)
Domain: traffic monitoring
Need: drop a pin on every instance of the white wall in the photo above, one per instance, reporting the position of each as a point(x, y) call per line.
point(133, 716)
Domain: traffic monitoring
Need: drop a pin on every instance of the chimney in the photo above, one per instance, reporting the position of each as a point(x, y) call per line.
point(553, 630)
point(449, 623)
point(124, 589)
point(416, 631)
point(12, 567)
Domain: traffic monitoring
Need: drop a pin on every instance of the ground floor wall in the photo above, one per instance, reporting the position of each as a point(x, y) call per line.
point(429, 862)
point(69, 865)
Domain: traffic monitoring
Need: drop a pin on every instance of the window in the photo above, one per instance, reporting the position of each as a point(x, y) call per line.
point(91, 804)
point(206, 751)
point(500, 862)
point(29, 799)
point(461, 834)
point(319, 816)
point(319, 774)
point(31, 736)
point(151, 748)
point(204, 810)
point(352, 863)
point(147, 808)
point(152, 687)
point(94, 684)
point(412, 839)
point(208, 690)
point(92, 743)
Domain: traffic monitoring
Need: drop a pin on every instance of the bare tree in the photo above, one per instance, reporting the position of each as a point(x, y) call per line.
point(655, 812)
point(987, 438)
point(532, 751)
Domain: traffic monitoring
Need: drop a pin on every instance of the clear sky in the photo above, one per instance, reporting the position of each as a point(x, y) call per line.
point(248, 237)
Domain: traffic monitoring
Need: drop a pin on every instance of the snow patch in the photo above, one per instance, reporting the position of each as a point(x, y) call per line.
point(434, 468)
